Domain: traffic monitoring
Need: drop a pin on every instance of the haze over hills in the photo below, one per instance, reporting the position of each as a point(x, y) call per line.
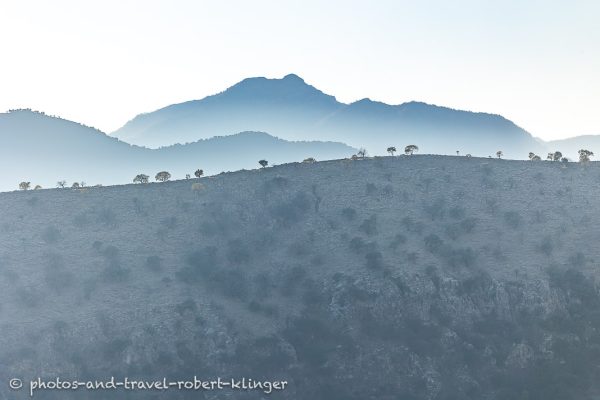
point(291, 109)
point(43, 150)
point(572, 145)
point(418, 277)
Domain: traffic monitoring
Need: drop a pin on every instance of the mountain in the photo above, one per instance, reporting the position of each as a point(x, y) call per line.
point(570, 146)
point(43, 150)
point(414, 277)
point(291, 109)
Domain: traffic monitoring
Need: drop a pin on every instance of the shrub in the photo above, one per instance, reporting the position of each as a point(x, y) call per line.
point(412, 226)
point(371, 189)
point(293, 210)
point(435, 210)
point(546, 246)
point(349, 213)
point(359, 246)
point(369, 225)
point(457, 212)
point(374, 260)
point(199, 264)
point(162, 176)
point(51, 234)
point(154, 263)
point(398, 240)
point(512, 219)
point(238, 252)
point(433, 243)
point(456, 258)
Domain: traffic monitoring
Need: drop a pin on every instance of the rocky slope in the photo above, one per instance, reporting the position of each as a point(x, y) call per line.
point(422, 277)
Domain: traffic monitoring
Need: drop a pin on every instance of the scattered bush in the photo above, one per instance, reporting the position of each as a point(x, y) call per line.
point(51, 235)
point(369, 225)
point(512, 219)
point(349, 213)
point(154, 263)
point(293, 210)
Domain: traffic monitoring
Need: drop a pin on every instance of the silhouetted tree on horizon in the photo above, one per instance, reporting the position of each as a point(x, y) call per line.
point(141, 178)
point(584, 155)
point(263, 163)
point(391, 150)
point(162, 176)
point(410, 149)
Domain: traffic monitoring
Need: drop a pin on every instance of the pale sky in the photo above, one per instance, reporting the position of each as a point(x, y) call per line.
point(102, 62)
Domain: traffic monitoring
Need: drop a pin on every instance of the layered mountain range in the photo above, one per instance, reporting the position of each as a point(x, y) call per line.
point(280, 120)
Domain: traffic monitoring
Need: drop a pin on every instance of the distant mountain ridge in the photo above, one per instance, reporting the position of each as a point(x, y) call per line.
point(292, 109)
point(43, 150)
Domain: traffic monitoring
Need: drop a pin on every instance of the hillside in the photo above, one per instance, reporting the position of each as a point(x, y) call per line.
point(421, 277)
point(572, 145)
point(292, 109)
point(43, 150)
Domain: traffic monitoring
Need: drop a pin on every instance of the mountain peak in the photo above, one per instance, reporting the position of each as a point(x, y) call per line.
point(293, 78)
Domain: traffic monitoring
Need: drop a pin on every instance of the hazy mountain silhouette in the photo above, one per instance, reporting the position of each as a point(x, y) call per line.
point(570, 146)
point(43, 149)
point(291, 109)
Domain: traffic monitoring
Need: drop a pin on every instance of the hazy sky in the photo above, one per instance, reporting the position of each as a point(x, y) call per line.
point(102, 62)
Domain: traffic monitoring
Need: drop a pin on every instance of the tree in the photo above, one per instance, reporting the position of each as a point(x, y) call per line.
point(564, 160)
point(536, 158)
point(410, 149)
point(557, 156)
point(162, 176)
point(187, 176)
point(499, 154)
point(584, 155)
point(531, 155)
point(198, 173)
point(468, 156)
point(457, 152)
point(309, 160)
point(61, 184)
point(24, 185)
point(37, 187)
point(263, 163)
point(75, 185)
point(550, 157)
point(391, 150)
point(141, 178)
point(362, 152)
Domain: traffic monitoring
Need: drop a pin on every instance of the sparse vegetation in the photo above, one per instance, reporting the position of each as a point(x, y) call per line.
point(446, 288)
point(584, 155)
point(410, 149)
point(24, 185)
point(162, 176)
point(263, 163)
point(141, 178)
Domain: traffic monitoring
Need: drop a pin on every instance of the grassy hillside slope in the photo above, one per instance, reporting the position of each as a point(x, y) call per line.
point(422, 277)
